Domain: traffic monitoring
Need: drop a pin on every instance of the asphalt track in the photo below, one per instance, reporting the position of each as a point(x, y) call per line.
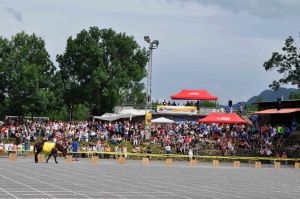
point(109, 179)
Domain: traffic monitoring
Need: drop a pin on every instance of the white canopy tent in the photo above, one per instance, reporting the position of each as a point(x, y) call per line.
point(162, 120)
point(107, 117)
point(127, 113)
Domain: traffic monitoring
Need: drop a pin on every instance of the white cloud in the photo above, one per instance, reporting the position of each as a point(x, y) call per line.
point(263, 8)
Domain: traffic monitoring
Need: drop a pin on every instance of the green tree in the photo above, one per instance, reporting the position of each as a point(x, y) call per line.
point(102, 68)
point(82, 112)
point(259, 99)
point(26, 74)
point(286, 63)
point(251, 107)
point(4, 51)
point(208, 104)
point(294, 95)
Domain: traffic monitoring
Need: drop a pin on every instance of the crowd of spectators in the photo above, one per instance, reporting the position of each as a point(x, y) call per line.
point(181, 138)
point(188, 103)
point(186, 136)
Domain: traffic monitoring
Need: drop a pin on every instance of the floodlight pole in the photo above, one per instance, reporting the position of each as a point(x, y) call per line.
point(152, 45)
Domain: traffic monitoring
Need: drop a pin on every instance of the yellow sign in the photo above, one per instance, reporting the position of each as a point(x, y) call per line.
point(177, 109)
point(148, 118)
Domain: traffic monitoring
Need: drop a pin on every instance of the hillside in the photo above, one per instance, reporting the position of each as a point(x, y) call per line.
point(269, 95)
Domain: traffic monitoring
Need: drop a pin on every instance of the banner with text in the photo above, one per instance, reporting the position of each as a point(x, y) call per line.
point(177, 109)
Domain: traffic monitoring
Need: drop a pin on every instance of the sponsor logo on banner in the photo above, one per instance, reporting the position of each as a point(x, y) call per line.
point(223, 118)
point(148, 118)
point(177, 109)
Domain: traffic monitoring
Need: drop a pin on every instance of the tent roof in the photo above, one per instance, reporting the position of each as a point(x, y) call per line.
point(162, 120)
point(122, 114)
point(227, 118)
point(275, 111)
point(193, 95)
point(107, 117)
point(133, 112)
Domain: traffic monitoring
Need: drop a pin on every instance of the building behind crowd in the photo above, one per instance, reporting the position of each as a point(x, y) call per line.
point(279, 112)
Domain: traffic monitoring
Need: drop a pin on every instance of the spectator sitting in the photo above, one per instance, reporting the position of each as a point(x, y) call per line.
point(284, 156)
point(262, 151)
point(119, 139)
point(117, 150)
point(1, 148)
point(168, 149)
point(138, 149)
point(125, 151)
point(268, 152)
point(107, 149)
point(114, 139)
point(134, 150)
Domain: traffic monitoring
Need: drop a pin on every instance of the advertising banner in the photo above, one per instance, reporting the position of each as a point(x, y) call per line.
point(177, 109)
point(148, 118)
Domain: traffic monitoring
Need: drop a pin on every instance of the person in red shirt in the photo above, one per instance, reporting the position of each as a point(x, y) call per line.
point(3, 130)
point(284, 156)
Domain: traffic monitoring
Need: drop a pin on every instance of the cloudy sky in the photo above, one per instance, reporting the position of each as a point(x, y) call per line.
point(218, 45)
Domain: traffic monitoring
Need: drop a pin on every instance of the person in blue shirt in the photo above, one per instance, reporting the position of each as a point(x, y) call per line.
point(26, 143)
point(75, 149)
point(294, 125)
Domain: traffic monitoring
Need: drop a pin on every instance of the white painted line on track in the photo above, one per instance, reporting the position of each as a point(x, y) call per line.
point(25, 185)
point(8, 193)
point(194, 182)
point(47, 184)
point(85, 176)
point(90, 172)
point(68, 190)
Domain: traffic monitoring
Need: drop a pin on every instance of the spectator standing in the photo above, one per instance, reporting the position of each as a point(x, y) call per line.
point(2, 134)
point(294, 125)
point(75, 149)
point(164, 102)
point(18, 138)
point(191, 153)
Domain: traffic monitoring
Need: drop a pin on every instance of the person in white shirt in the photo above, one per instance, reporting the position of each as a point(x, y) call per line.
point(191, 153)
point(1, 148)
point(125, 151)
point(168, 149)
point(116, 151)
point(6, 146)
point(268, 152)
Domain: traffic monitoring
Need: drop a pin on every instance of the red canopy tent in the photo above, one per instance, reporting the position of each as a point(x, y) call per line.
point(193, 95)
point(227, 118)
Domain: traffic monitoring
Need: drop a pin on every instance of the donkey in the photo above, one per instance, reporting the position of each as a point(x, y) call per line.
point(38, 147)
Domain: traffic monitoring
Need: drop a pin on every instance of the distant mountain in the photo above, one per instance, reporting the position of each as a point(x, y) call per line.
point(269, 95)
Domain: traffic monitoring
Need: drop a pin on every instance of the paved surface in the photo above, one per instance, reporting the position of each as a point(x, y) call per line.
point(108, 179)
